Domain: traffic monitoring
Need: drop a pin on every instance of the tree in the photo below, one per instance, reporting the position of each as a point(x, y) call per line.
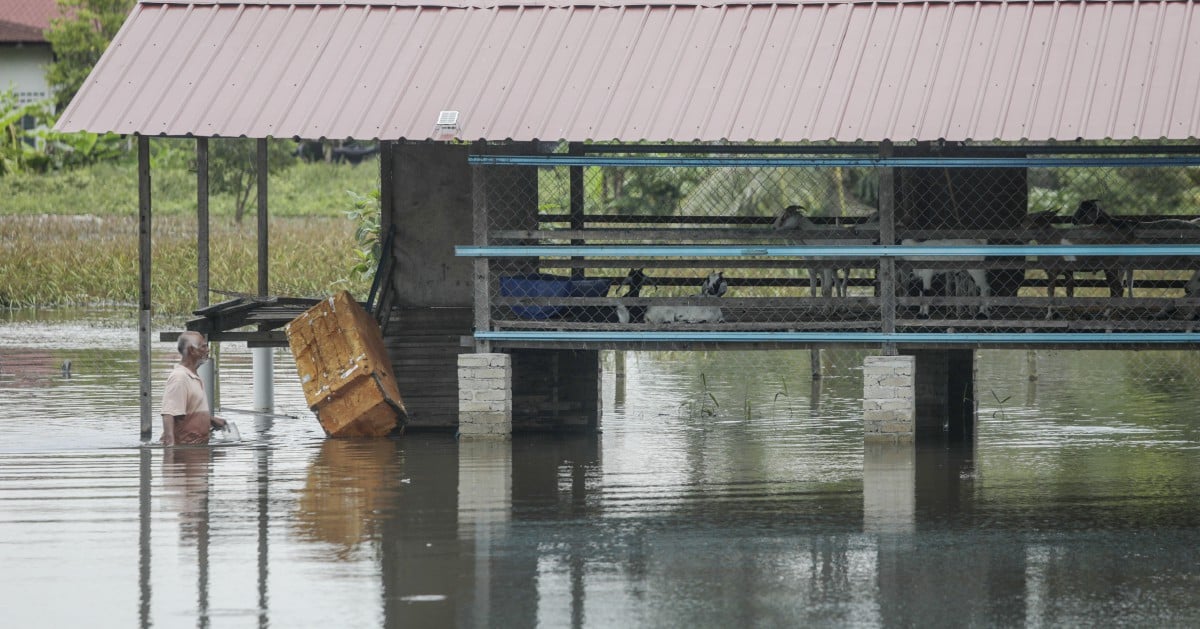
point(78, 38)
point(232, 170)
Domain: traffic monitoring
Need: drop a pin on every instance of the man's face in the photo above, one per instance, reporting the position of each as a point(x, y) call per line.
point(200, 351)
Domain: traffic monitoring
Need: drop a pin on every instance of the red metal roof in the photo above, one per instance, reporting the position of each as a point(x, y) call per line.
point(22, 21)
point(652, 70)
point(13, 33)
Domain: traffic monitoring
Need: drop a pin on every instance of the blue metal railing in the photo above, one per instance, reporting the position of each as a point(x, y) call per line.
point(558, 160)
point(939, 338)
point(799, 251)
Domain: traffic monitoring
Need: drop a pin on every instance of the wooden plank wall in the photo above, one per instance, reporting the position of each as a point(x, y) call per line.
point(553, 389)
point(424, 344)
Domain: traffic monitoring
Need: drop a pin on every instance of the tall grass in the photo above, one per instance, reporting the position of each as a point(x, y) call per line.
point(69, 238)
point(111, 188)
point(93, 261)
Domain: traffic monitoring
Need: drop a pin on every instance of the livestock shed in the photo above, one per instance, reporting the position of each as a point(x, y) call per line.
point(919, 179)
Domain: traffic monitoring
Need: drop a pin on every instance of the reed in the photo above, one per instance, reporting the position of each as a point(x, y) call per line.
point(54, 261)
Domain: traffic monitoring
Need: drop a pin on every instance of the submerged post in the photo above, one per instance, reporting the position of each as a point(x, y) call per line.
point(263, 361)
point(144, 392)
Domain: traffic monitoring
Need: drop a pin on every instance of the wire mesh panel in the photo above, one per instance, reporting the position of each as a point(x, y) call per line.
point(634, 247)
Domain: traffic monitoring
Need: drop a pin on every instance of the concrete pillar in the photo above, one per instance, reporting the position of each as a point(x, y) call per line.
point(263, 362)
point(485, 395)
point(889, 399)
point(945, 393)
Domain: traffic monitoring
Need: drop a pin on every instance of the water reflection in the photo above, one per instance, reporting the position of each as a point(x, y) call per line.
point(1080, 506)
point(348, 485)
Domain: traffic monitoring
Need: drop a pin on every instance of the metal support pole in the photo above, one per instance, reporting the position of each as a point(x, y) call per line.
point(887, 236)
point(145, 403)
point(263, 360)
point(207, 372)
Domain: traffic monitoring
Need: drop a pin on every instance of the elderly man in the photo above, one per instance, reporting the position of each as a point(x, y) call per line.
point(185, 413)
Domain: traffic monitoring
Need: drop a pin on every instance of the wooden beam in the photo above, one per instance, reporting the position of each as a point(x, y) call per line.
point(576, 194)
point(144, 304)
point(387, 186)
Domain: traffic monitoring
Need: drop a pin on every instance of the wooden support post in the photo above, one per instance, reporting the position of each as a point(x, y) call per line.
point(387, 187)
point(576, 204)
point(481, 275)
point(887, 236)
point(145, 401)
point(814, 363)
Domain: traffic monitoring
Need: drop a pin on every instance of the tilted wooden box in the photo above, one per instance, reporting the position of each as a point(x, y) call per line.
point(344, 369)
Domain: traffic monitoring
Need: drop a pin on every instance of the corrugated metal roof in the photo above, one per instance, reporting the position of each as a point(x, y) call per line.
point(652, 71)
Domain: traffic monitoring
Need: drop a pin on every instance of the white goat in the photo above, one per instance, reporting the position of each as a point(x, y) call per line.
point(832, 279)
point(714, 285)
point(979, 276)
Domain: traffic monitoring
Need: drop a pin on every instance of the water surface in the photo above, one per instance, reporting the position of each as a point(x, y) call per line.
point(725, 490)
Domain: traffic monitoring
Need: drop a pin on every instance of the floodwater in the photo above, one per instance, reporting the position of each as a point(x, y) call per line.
point(724, 491)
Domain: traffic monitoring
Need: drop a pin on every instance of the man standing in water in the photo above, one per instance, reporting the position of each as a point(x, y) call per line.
point(185, 413)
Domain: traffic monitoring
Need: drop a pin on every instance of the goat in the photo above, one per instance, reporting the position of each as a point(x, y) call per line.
point(979, 276)
point(1191, 290)
point(634, 280)
point(713, 286)
point(1116, 229)
point(833, 280)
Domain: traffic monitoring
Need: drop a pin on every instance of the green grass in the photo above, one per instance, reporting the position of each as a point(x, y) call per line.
point(111, 189)
point(70, 238)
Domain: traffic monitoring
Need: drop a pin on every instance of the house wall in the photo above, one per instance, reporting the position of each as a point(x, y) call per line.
point(23, 70)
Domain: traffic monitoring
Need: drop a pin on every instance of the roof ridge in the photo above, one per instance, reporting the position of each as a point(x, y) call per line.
point(614, 3)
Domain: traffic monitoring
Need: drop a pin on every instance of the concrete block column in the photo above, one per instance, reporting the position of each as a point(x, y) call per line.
point(889, 399)
point(485, 395)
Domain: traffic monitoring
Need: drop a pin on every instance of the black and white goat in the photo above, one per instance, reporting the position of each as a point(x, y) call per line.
point(1114, 230)
point(715, 285)
point(926, 276)
point(833, 280)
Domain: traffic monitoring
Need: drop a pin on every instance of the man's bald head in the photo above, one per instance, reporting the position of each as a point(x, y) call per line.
point(188, 339)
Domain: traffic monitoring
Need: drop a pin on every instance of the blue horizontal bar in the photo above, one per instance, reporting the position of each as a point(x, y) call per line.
point(869, 162)
point(845, 337)
point(795, 251)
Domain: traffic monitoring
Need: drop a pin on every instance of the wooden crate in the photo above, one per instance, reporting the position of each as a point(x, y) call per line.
point(344, 369)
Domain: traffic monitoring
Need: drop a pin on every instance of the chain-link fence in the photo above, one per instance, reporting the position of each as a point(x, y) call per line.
point(787, 244)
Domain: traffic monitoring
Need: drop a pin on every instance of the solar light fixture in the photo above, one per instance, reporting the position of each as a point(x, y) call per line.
point(447, 125)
